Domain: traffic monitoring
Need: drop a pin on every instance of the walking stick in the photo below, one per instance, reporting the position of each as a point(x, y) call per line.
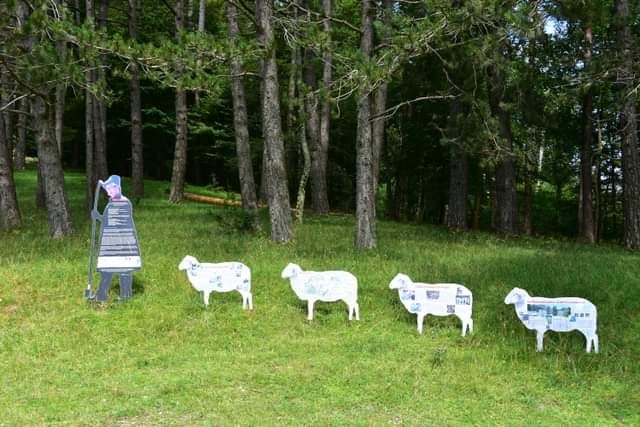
point(87, 292)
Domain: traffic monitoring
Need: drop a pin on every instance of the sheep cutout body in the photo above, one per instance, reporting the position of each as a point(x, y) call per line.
point(221, 277)
point(439, 299)
point(312, 286)
point(555, 314)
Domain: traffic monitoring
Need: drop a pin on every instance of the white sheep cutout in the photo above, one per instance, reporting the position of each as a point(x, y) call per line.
point(555, 314)
point(328, 286)
point(439, 299)
point(221, 277)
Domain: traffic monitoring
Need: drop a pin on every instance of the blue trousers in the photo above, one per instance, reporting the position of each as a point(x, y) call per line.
point(105, 283)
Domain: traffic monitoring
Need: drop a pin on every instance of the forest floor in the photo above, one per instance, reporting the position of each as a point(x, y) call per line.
point(162, 358)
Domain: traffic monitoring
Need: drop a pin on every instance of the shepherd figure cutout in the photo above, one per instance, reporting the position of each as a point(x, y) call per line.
point(118, 249)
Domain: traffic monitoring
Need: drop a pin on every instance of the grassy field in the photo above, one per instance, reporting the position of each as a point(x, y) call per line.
point(163, 359)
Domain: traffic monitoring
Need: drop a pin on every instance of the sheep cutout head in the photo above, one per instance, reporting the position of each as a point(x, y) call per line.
point(312, 286)
point(438, 299)
point(291, 270)
point(555, 314)
point(516, 296)
point(188, 263)
point(221, 277)
point(400, 281)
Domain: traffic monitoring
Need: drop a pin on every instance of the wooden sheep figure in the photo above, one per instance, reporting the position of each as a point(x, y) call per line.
point(439, 299)
point(221, 277)
point(315, 286)
point(555, 314)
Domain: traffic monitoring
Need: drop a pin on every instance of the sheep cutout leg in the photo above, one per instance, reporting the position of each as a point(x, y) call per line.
point(220, 277)
point(421, 317)
point(592, 339)
point(354, 310)
point(310, 309)
point(539, 340)
point(467, 324)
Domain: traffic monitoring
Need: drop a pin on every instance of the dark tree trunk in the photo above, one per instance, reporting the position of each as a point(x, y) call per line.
point(9, 212)
point(21, 142)
point(7, 89)
point(380, 102)
point(586, 197)
point(277, 191)
point(100, 109)
point(51, 169)
point(628, 128)
point(477, 204)
point(137, 152)
point(507, 212)
point(241, 126)
point(365, 193)
point(527, 221)
point(458, 171)
point(320, 195)
point(202, 7)
point(180, 154)
point(90, 169)
point(318, 165)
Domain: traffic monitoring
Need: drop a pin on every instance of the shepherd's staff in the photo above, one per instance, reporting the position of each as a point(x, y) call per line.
point(87, 292)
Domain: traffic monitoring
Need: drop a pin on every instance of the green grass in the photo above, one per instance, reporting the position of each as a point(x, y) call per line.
point(162, 358)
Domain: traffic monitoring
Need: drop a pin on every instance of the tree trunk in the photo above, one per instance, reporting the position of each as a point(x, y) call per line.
point(365, 193)
point(180, 154)
point(320, 195)
point(586, 197)
point(312, 138)
point(507, 212)
point(241, 125)
point(9, 212)
point(21, 142)
point(277, 191)
point(51, 168)
point(528, 202)
point(100, 109)
point(61, 90)
point(7, 89)
point(137, 151)
point(202, 7)
point(90, 169)
point(458, 171)
point(628, 128)
point(380, 102)
point(306, 168)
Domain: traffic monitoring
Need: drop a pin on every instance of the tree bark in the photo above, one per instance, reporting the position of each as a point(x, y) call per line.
point(306, 168)
point(586, 152)
point(458, 171)
point(58, 214)
point(202, 7)
point(320, 195)
point(90, 169)
point(9, 211)
point(277, 191)
point(100, 109)
point(365, 193)
point(21, 142)
point(380, 102)
point(507, 212)
point(241, 125)
point(527, 221)
point(311, 141)
point(180, 154)
point(628, 127)
point(7, 89)
point(61, 90)
point(137, 148)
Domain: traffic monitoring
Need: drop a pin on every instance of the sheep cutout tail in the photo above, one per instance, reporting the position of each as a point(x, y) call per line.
point(221, 277)
point(312, 286)
point(556, 314)
point(438, 299)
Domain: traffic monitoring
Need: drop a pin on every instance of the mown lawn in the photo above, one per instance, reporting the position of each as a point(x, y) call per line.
point(163, 359)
